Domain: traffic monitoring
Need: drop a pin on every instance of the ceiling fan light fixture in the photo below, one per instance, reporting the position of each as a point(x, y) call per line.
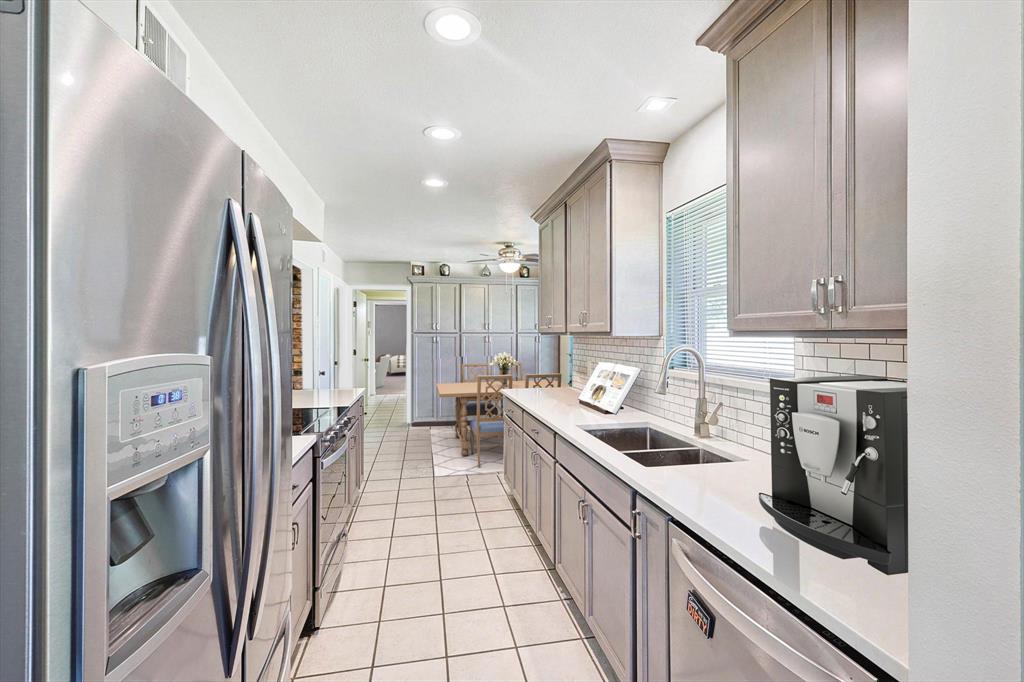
point(509, 266)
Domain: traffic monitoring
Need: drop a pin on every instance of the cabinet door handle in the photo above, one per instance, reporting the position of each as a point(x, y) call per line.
point(579, 509)
point(634, 524)
point(295, 534)
point(584, 507)
point(816, 284)
point(833, 296)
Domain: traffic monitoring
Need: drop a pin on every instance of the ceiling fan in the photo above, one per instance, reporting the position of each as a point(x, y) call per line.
point(509, 257)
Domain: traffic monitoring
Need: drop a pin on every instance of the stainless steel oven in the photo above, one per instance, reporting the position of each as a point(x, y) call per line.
point(333, 503)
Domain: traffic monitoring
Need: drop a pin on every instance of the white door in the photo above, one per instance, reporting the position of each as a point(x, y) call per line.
point(371, 348)
point(359, 359)
point(324, 366)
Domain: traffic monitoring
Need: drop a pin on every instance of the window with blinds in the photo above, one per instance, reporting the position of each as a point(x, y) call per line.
point(695, 282)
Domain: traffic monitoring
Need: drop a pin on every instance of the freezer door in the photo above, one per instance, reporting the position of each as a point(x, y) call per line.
point(723, 627)
point(269, 225)
point(132, 247)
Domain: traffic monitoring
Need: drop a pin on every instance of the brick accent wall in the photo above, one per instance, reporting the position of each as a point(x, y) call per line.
point(296, 341)
point(744, 416)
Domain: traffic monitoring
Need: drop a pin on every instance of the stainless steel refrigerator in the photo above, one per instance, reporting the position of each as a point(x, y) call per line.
point(146, 300)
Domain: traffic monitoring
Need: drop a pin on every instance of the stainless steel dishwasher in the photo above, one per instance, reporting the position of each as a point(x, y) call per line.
point(724, 627)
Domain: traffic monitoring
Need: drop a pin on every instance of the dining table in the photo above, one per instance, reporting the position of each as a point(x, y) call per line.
point(463, 391)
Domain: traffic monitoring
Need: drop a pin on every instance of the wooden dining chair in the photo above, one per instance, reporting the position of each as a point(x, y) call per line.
point(543, 380)
point(469, 372)
point(488, 417)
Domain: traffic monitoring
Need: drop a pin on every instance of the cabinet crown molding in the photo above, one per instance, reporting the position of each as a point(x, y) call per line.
point(494, 279)
point(610, 149)
point(734, 23)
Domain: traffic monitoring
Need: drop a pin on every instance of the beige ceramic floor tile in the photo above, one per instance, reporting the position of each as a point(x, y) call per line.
point(465, 564)
point(374, 512)
point(362, 675)
point(415, 525)
point(561, 662)
point(332, 650)
point(476, 592)
point(365, 530)
point(515, 559)
point(412, 639)
point(541, 623)
point(449, 481)
point(488, 490)
point(496, 538)
point(416, 494)
point(418, 569)
point(454, 506)
point(452, 493)
point(385, 497)
point(367, 550)
point(489, 504)
point(456, 522)
point(416, 483)
point(360, 575)
point(524, 588)
point(464, 541)
point(415, 509)
point(499, 519)
point(493, 666)
point(354, 607)
point(472, 631)
point(411, 601)
point(421, 671)
point(413, 545)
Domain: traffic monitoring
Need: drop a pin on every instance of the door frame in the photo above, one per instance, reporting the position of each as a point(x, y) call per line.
point(407, 288)
point(371, 340)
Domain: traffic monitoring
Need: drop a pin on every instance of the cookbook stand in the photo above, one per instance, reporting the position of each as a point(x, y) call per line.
point(608, 387)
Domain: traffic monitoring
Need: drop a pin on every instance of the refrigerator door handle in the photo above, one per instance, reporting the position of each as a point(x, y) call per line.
point(763, 639)
point(254, 442)
point(255, 230)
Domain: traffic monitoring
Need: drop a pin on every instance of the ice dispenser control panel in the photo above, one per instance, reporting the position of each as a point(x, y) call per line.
point(157, 410)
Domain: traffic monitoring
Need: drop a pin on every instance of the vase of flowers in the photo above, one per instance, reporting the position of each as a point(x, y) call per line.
point(504, 361)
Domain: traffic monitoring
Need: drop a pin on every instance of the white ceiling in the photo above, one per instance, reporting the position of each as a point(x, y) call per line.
point(347, 87)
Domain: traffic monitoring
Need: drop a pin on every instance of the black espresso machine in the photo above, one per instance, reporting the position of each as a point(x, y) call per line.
point(839, 464)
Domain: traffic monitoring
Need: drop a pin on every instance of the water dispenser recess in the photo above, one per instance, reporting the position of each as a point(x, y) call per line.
point(144, 533)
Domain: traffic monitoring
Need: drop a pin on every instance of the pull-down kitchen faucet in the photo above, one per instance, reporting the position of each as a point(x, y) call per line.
point(702, 421)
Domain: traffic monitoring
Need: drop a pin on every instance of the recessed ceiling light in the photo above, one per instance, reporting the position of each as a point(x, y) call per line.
point(435, 183)
point(443, 133)
point(452, 25)
point(657, 103)
point(67, 79)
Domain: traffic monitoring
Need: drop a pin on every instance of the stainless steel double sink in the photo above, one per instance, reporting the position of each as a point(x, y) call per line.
point(653, 448)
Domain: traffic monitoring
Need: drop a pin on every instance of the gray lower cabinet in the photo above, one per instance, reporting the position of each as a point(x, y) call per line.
point(354, 461)
point(570, 535)
point(512, 454)
point(435, 359)
point(529, 478)
point(650, 526)
point(610, 592)
point(544, 503)
point(302, 561)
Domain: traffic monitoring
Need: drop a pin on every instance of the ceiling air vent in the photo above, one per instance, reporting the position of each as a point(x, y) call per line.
point(161, 49)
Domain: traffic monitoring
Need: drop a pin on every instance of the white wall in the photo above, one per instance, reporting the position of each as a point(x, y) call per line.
point(964, 273)
point(695, 162)
point(370, 274)
point(211, 90)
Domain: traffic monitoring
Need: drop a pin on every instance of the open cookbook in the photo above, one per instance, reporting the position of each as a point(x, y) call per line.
point(608, 386)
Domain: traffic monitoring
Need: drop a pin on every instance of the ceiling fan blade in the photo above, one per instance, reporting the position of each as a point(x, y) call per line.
point(481, 260)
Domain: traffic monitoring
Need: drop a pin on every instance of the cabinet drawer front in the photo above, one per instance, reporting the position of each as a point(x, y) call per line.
point(541, 434)
point(302, 474)
point(615, 494)
point(512, 411)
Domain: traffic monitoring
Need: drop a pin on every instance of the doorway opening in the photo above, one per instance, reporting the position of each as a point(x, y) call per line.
point(381, 331)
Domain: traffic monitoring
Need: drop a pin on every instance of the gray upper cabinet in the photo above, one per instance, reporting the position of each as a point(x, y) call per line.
point(551, 294)
point(817, 163)
point(537, 353)
point(613, 243)
point(869, 160)
point(526, 309)
point(435, 307)
point(488, 308)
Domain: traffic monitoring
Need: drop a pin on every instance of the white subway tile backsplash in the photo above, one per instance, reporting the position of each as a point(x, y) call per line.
point(744, 417)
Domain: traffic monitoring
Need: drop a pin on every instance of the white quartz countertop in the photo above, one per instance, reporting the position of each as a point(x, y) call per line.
point(300, 446)
point(864, 607)
point(314, 399)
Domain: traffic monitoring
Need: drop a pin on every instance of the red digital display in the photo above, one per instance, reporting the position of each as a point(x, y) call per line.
point(824, 399)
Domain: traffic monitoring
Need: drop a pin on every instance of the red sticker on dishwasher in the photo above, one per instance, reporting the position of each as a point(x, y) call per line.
point(704, 619)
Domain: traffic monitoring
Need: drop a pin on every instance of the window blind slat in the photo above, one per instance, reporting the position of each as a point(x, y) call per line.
point(695, 281)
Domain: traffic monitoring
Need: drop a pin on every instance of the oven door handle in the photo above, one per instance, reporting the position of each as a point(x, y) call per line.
point(253, 397)
point(334, 456)
point(766, 641)
point(255, 233)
